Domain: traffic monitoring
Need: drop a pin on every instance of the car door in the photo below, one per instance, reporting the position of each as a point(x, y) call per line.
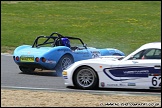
point(141, 72)
point(82, 54)
point(88, 53)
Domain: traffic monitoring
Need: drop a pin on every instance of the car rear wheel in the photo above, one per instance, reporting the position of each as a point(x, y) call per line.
point(26, 70)
point(63, 63)
point(85, 78)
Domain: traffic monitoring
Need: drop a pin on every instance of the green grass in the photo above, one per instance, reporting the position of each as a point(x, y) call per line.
point(125, 25)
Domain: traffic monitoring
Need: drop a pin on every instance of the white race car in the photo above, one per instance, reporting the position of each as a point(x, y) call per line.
point(139, 70)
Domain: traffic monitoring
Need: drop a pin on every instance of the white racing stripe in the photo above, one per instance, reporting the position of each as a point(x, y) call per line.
point(6, 54)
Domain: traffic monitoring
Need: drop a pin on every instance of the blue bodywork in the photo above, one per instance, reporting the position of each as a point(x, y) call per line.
point(47, 57)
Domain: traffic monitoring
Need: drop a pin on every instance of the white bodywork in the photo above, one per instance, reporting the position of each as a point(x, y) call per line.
point(128, 72)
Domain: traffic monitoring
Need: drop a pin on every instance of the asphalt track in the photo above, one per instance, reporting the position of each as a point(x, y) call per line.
point(13, 78)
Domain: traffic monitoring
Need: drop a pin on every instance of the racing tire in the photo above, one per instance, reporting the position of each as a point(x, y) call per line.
point(63, 63)
point(26, 70)
point(85, 78)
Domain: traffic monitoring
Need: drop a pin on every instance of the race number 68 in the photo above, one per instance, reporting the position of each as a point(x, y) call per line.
point(156, 80)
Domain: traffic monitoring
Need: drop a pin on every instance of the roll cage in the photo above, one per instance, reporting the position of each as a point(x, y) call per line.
point(55, 40)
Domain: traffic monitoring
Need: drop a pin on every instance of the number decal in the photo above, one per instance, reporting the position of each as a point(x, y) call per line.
point(95, 54)
point(156, 81)
point(160, 81)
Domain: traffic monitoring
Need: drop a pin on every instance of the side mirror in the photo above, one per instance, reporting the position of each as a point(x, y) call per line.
point(131, 58)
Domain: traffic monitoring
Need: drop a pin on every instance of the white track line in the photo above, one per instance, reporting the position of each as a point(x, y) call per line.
point(6, 54)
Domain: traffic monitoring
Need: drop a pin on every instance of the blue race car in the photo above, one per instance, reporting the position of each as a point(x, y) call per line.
point(55, 53)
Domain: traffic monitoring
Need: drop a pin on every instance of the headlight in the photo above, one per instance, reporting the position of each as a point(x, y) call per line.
point(64, 73)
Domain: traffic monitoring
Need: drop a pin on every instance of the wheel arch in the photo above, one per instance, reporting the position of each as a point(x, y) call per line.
point(59, 67)
point(81, 67)
point(68, 54)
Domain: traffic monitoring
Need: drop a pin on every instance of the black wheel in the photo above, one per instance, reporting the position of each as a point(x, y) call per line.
point(63, 63)
point(26, 70)
point(85, 78)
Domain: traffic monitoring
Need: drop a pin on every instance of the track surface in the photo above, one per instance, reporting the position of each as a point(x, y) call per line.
point(12, 78)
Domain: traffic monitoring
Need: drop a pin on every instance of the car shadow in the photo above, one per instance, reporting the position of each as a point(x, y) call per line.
point(118, 89)
point(51, 74)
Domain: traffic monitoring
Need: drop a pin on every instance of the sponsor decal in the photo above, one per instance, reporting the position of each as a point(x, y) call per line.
point(136, 72)
point(65, 77)
point(131, 84)
point(50, 61)
point(102, 84)
point(81, 52)
point(95, 54)
point(112, 84)
point(63, 50)
point(122, 84)
point(129, 72)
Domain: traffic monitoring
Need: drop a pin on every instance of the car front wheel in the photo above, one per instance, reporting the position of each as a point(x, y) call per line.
point(85, 78)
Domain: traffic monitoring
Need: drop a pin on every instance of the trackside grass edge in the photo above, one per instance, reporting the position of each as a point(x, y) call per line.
point(124, 25)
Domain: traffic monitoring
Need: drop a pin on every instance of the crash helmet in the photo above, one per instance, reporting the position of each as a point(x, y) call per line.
point(65, 42)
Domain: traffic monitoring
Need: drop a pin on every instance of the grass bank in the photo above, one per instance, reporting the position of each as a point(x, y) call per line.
point(124, 25)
